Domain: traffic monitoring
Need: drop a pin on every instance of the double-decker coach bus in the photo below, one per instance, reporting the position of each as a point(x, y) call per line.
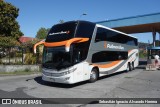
point(76, 51)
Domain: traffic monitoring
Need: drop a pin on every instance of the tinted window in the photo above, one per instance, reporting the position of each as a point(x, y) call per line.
point(101, 35)
point(80, 52)
point(61, 32)
point(85, 29)
point(108, 35)
point(105, 56)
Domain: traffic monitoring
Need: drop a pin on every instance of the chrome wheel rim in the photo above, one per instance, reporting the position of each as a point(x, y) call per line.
point(93, 75)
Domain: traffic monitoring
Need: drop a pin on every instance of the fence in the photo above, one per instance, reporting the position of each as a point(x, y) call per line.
point(19, 56)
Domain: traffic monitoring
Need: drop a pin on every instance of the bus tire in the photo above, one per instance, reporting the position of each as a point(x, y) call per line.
point(130, 67)
point(133, 66)
point(93, 75)
point(127, 70)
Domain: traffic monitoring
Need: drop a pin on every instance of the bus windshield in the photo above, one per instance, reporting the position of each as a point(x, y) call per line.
point(56, 58)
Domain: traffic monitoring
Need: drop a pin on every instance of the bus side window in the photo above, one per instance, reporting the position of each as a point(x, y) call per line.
point(101, 35)
point(105, 56)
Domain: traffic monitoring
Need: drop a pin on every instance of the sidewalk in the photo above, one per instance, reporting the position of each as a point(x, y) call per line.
point(6, 77)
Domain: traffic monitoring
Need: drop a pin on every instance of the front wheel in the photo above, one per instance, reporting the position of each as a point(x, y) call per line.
point(93, 75)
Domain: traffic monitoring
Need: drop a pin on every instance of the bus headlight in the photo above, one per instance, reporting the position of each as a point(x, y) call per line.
point(46, 73)
point(67, 78)
point(58, 74)
point(69, 71)
point(72, 70)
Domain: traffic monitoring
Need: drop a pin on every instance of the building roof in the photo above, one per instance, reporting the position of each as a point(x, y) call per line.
point(24, 39)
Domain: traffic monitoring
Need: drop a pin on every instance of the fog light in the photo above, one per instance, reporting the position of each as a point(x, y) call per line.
point(67, 78)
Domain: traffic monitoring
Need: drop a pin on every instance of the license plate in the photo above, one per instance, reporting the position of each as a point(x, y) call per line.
point(52, 79)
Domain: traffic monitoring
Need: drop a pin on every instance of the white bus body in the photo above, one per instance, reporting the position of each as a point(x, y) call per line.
point(97, 52)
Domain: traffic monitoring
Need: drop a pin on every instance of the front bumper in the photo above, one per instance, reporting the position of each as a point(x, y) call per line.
point(67, 79)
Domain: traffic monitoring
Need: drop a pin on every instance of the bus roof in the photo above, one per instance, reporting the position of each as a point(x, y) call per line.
point(98, 26)
point(76, 21)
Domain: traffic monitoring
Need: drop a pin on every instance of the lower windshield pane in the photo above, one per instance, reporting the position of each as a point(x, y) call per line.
point(56, 58)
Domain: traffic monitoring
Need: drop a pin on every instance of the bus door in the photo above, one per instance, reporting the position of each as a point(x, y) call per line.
point(81, 65)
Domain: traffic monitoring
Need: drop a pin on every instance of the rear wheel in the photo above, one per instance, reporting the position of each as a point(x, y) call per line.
point(130, 67)
point(93, 75)
point(133, 66)
point(127, 68)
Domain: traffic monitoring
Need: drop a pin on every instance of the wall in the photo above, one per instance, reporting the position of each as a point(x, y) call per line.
point(13, 68)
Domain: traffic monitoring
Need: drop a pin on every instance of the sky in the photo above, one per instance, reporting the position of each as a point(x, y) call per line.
point(35, 14)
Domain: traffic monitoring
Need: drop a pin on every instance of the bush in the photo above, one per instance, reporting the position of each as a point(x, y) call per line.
point(1, 61)
point(142, 54)
point(30, 58)
point(18, 54)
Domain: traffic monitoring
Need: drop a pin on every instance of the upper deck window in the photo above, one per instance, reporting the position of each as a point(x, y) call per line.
point(61, 32)
point(85, 29)
point(112, 36)
point(68, 30)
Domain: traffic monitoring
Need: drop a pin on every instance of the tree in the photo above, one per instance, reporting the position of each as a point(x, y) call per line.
point(61, 21)
point(9, 27)
point(42, 33)
point(8, 41)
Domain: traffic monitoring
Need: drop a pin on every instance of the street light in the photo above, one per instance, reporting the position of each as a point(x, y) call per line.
point(84, 14)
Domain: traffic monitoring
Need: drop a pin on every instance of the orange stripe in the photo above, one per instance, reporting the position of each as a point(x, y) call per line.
point(67, 43)
point(76, 40)
point(39, 43)
point(129, 51)
point(54, 44)
point(107, 65)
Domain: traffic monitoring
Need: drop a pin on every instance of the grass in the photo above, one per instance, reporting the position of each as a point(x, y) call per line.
point(23, 72)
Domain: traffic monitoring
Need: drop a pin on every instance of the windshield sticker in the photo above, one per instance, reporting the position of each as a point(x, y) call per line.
point(62, 32)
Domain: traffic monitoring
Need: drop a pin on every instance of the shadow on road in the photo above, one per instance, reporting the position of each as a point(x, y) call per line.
point(110, 75)
point(142, 65)
point(58, 85)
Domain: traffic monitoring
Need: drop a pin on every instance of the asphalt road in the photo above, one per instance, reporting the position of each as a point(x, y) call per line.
point(135, 84)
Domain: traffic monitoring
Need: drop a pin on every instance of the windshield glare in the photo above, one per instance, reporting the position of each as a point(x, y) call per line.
point(56, 58)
